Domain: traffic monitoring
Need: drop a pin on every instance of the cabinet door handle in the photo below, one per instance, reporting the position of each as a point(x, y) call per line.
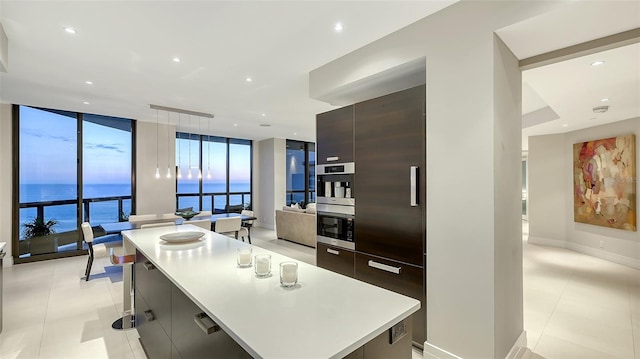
point(333, 251)
point(385, 267)
point(413, 178)
point(149, 316)
point(332, 159)
point(148, 266)
point(205, 323)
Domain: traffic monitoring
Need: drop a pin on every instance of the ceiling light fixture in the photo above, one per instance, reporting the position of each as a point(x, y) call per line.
point(235, 125)
point(189, 176)
point(248, 79)
point(86, 102)
point(157, 148)
point(263, 115)
point(199, 166)
point(597, 63)
point(89, 82)
point(168, 153)
point(604, 100)
point(176, 59)
point(601, 109)
point(338, 27)
point(565, 125)
point(208, 151)
point(265, 125)
point(70, 30)
point(179, 174)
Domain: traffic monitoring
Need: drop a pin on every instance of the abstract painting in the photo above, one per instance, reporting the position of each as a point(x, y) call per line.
point(604, 182)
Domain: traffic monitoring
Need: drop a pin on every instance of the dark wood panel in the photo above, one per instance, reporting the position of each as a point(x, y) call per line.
point(156, 290)
point(342, 263)
point(334, 135)
point(389, 139)
point(155, 341)
point(409, 282)
point(191, 341)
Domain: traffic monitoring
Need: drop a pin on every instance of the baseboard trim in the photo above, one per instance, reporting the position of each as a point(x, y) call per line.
point(611, 257)
point(546, 242)
point(594, 252)
point(431, 351)
point(519, 348)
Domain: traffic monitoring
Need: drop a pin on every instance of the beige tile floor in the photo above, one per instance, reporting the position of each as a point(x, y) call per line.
point(575, 306)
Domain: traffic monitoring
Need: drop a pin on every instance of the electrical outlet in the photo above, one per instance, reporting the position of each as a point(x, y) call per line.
point(601, 244)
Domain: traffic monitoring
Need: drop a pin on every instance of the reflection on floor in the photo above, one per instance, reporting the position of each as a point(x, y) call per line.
point(575, 306)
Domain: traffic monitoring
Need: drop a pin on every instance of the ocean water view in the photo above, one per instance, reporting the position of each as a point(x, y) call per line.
point(107, 211)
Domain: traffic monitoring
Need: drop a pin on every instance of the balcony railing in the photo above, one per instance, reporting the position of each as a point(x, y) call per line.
point(245, 200)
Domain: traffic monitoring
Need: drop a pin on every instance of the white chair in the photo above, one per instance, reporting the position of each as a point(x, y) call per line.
point(247, 224)
point(231, 225)
point(202, 223)
point(99, 250)
point(139, 219)
point(161, 224)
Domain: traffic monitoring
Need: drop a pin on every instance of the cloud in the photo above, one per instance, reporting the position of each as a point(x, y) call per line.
point(111, 147)
point(38, 134)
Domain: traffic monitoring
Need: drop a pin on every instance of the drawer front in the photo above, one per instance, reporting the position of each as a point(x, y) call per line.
point(335, 259)
point(400, 278)
point(155, 288)
point(155, 341)
point(191, 340)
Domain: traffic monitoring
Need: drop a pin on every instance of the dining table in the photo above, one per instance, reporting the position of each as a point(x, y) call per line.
point(117, 227)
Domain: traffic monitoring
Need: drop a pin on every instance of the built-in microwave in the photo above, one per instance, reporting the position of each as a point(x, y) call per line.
point(336, 229)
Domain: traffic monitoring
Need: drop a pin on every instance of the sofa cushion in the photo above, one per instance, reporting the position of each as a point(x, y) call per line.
point(311, 208)
point(292, 209)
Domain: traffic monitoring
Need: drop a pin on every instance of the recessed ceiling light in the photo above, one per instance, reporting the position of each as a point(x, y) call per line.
point(338, 27)
point(70, 30)
point(263, 114)
point(248, 79)
point(86, 102)
point(597, 63)
point(604, 99)
point(89, 82)
point(295, 133)
point(565, 125)
point(265, 125)
point(176, 59)
point(235, 125)
point(593, 119)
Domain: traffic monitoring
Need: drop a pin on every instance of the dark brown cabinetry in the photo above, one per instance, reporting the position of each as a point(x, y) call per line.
point(167, 320)
point(398, 277)
point(335, 259)
point(334, 133)
point(389, 143)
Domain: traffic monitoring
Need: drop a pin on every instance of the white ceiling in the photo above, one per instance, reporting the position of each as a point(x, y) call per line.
point(126, 49)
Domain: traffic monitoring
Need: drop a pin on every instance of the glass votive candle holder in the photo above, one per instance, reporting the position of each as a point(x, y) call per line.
point(263, 265)
point(244, 257)
point(288, 274)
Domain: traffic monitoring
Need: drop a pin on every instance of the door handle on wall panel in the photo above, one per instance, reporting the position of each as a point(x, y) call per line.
point(333, 251)
point(385, 267)
point(332, 159)
point(205, 323)
point(413, 178)
point(148, 266)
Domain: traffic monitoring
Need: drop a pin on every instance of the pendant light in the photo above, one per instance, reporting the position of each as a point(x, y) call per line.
point(179, 174)
point(200, 134)
point(208, 152)
point(168, 150)
point(189, 176)
point(157, 148)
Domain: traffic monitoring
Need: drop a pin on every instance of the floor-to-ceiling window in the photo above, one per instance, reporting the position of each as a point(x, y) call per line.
point(71, 167)
point(301, 172)
point(214, 172)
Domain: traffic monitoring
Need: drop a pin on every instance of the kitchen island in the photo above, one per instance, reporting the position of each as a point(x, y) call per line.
point(326, 315)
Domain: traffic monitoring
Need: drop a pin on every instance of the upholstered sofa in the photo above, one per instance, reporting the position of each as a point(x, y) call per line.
point(296, 225)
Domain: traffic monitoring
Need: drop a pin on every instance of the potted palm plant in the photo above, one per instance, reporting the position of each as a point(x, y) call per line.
point(40, 235)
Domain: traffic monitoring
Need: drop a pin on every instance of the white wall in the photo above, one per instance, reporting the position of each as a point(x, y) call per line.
point(467, 133)
point(155, 195)
point(271, 180)
point(551, 197)
point(6, 177)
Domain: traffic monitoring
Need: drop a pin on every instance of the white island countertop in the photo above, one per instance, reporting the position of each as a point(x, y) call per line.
point(326, 315)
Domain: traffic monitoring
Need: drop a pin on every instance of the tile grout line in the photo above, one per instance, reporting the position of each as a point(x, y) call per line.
point(555, 307)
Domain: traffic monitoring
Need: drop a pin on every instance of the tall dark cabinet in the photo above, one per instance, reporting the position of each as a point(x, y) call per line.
point(389, 141)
